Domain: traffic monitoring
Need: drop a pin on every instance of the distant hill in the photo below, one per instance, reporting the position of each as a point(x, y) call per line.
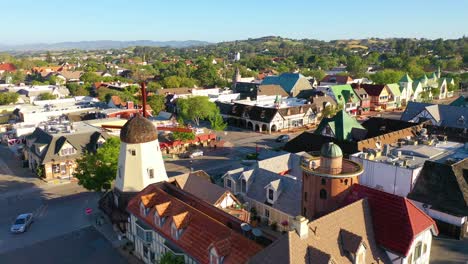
point(101, 44)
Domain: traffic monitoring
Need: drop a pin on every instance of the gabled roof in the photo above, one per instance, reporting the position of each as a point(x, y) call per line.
point(271, 89)
point(394, 88)
point(443, 187)
point(202, 229)
point(396, 220)
point(461, 101)
point(329, 240)
point(69, 75)
point(286, 80)
point(9, 67)
point(373, 89)
point(340, 79)
point(406, 79)
point(342, 125)
point(450, 116)
point(117, 101)
point(344, 94)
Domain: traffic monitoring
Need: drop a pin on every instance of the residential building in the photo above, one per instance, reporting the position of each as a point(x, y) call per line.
point(442, 192)
point(401, 229)
point(52, 150)
point(406, 89)
point(7, 67)
point(292, 83)
point(336, 80)
point(395, 93)
point(438, 114)
point(30, 93)
point(326, 180)
point(341, 126)
point(268, 113)
point(344, 96)
point(165, 219)
point(381, 96)
point(365, 100)
point(69, 76)
point(343, 236)
point(378, 131)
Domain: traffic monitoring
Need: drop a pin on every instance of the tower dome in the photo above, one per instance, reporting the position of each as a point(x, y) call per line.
point(331, 150)
point(138, 130)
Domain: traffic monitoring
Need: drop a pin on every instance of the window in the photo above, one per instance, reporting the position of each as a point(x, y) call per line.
point(346, 182)
point(151, 173)
point(120, 172)
point(305, 196)
point(152, 257)
point(304, 211)
point(424, 248)
point(56, 168)
point(324, 182)
point(323, 194)
point(271, 194)
point(228, 183)
point(243, 186)
point(63, 169)
point(145, 251)
point(174, 232)
point(133, 152)
point(267, 213)
point(149, 236)
point(157, 219)
point(214, 259)
point(417, 251)
point(67, 151)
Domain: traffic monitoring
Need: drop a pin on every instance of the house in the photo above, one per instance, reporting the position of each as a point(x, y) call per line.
point(341, 126)
point(116, 102)
point(51, 151)
point(343, 236)
point(7, 67)
point(199, 184)
point(292, 83)
point(395, 93)
point(164, 218)
point(344, 95)
point(336, 79)
point(364, 98)
point(33, 91)
point(378, 131)
point(442, 192)
point(69, 76)
point(380, 95)
point(103, 74)
point(406, 89)
point(401, 229)
point(437, 114)
point(268, 114)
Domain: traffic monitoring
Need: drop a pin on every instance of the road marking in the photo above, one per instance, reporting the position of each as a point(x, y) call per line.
point(41, 211)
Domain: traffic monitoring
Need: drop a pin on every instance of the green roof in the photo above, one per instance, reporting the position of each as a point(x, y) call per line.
point(424, 78)
point(331, 150)
point(460, 101)
point(395, 88)
point(341, 125)
point(415, 85)
point(344, 94)
point(433, 76)
point(406, 78)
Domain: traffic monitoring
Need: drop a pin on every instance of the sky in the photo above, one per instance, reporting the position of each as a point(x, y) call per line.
point(32, 21)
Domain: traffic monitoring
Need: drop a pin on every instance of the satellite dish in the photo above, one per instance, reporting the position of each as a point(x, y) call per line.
point(257, 232)
point(246, 227)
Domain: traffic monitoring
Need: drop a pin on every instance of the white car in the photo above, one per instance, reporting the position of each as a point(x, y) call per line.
point(22, 222)
point(196, 153)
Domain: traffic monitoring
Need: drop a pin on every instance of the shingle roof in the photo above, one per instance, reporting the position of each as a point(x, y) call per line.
point(344, 94)
point(201, 229)
point(286, 80)
point(373, 89)
point(443, 187)
point(397, 221)
point(451, 116)
point(271, 89)
point(200, 187)
point(342, 125)
point(328, 239)
point(337, 79)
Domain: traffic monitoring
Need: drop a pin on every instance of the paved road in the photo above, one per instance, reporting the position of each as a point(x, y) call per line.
point(57, 211)
point(79, 247)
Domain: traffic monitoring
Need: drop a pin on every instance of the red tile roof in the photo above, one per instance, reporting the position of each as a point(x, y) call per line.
point(202, 229)
point(9, 67)
point(396, 220)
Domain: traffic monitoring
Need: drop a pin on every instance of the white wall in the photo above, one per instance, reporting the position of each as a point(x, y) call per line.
point(426, 238)
point(227, 201)
point(447, 218)
point(393, 179)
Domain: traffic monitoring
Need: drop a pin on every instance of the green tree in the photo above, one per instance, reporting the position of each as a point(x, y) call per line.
point(386, 76)
point(90, 77)
point(157, 103)
point(8, 98)
point(217, 121)
point(48, 57)
point(96, 171)
point(356, 66)
point(46, 96)
point(196, 108)
point(153, 86)
point(206, 74)
point(170, 258)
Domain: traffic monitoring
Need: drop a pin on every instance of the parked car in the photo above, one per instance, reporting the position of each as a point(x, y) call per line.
point(192, 154)
point(22, 222)
point(282, 138)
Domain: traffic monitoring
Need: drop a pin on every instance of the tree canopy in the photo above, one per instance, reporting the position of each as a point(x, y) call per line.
point(196, 108)
point(8, 98)
point(46, 96)
point(386, 76)
point(157, 103)
point(96, 171)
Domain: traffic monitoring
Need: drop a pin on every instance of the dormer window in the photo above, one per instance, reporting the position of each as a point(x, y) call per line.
point(243, 183)
point(271, 194)
point(262, 115)
point(461, 120)
point(143, 209)
point(175, 233)
point(229, 183)
point(67, 151)
point(157, 219)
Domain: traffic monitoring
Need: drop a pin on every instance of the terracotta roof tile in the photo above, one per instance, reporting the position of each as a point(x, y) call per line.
point(397, 221)
point(9, 67)
point(204, 229)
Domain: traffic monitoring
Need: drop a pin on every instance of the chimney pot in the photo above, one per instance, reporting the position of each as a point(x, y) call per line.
point(301, 226)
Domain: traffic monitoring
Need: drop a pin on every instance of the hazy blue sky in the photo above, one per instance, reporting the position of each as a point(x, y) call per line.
point(30, 21)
